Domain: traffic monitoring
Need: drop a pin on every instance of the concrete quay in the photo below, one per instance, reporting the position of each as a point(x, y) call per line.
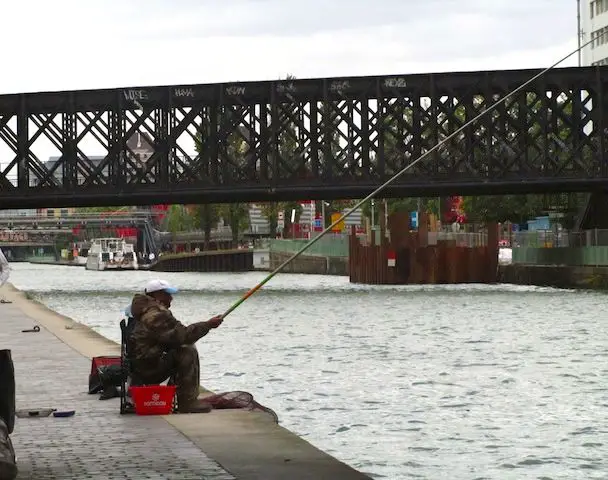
point(51, 371)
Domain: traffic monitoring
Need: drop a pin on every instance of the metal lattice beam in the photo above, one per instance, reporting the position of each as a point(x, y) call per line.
point(297, 139)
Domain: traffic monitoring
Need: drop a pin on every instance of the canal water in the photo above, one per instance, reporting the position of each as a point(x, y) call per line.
point(455, 382)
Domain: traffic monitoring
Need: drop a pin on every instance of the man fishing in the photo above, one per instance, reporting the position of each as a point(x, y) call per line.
point(163, 347)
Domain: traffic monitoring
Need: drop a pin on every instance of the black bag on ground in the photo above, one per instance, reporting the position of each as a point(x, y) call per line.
point(97, 363)
point(8, 466)
point(110, 377)
point(7, 390)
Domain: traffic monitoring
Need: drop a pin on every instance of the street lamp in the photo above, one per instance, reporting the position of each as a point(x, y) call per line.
point(578, 30)
point(323, 203)
point(373, 208)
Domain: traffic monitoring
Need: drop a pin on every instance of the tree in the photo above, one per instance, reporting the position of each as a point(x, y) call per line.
point(520, 208)
point(394, 205)
point(335, 206)
point(207, 217)
point(179, 219)
point(501, 208)
point(523, 117)
point(333, 153)
point(520, 120)
point(271, 211)
point(209, 214)
point(236, 214)
point(237, 217)
point(292, 160)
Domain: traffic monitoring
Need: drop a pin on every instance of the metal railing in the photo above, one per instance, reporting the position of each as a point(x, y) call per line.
point(459, 239)
point(552, 239)
point(220, 233)
point(35, 216)
point(325, 247)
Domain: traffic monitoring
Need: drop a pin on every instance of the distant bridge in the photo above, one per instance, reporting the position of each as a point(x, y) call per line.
point(136, 219)
point(35, 225)
point(331, 138)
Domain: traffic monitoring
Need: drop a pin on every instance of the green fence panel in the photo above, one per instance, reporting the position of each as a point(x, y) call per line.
point(325, 247)
point(571, 256)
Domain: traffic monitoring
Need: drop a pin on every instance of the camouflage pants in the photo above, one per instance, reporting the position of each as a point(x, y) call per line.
point(182, 365)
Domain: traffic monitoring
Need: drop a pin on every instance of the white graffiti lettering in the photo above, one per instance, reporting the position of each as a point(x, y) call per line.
point(135, 95)
point(183, 92)
point(395, 82)
point(235, 90)
point(339, 86)
point(286, 88)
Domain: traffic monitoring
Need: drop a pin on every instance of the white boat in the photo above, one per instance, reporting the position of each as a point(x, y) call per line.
point(82, 251)
point(111, 254)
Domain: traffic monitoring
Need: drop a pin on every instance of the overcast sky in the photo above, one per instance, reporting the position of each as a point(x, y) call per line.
point(77, 44)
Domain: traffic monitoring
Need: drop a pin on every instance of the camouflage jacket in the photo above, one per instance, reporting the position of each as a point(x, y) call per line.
point(156, 330)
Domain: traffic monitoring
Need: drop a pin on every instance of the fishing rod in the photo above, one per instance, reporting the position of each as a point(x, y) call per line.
point(309, 244)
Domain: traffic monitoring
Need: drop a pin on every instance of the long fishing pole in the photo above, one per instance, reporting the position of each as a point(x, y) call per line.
point(395, 177)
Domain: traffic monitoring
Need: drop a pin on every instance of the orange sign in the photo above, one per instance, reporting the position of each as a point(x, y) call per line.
point(340, 226)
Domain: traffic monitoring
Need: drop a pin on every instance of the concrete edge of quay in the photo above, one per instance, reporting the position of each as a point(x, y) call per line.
point(555, 276)
point(249, 445)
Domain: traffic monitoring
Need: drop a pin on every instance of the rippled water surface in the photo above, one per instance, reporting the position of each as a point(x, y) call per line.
point(454, 382)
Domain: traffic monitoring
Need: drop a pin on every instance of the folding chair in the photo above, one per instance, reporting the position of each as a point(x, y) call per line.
point(126, 328)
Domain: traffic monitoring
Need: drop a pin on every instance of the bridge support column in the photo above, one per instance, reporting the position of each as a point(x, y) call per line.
point(594, 212)
point(23, 170)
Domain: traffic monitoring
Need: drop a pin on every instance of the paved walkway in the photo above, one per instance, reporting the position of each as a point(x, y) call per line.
point(98, 442)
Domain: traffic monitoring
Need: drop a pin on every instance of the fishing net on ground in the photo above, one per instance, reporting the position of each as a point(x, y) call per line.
point(237, 399)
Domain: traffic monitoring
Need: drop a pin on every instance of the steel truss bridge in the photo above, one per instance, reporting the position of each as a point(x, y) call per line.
point(304, 139)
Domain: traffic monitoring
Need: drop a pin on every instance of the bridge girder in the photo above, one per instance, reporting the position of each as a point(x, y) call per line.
point(304, 139)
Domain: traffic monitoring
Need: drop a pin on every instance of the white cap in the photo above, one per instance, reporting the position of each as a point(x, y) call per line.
point(159, 285)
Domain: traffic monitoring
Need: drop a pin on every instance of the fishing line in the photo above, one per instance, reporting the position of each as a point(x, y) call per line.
point(396, 176)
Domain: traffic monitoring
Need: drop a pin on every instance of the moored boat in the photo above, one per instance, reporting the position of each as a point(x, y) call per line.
point(111, 254)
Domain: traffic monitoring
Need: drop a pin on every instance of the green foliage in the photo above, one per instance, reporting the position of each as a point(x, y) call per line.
point(237, 216)
point(331, 141)
point(179, 219)
point(334, 206)
point(502, 208)
point(394, 205)
point(520, 208)
point(206, 217)
point(271, 210)
point(515, 208)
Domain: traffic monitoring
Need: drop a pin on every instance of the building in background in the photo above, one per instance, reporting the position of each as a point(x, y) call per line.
point(594, 25)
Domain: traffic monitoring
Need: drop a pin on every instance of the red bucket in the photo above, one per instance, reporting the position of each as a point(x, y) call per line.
point(153, 399)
